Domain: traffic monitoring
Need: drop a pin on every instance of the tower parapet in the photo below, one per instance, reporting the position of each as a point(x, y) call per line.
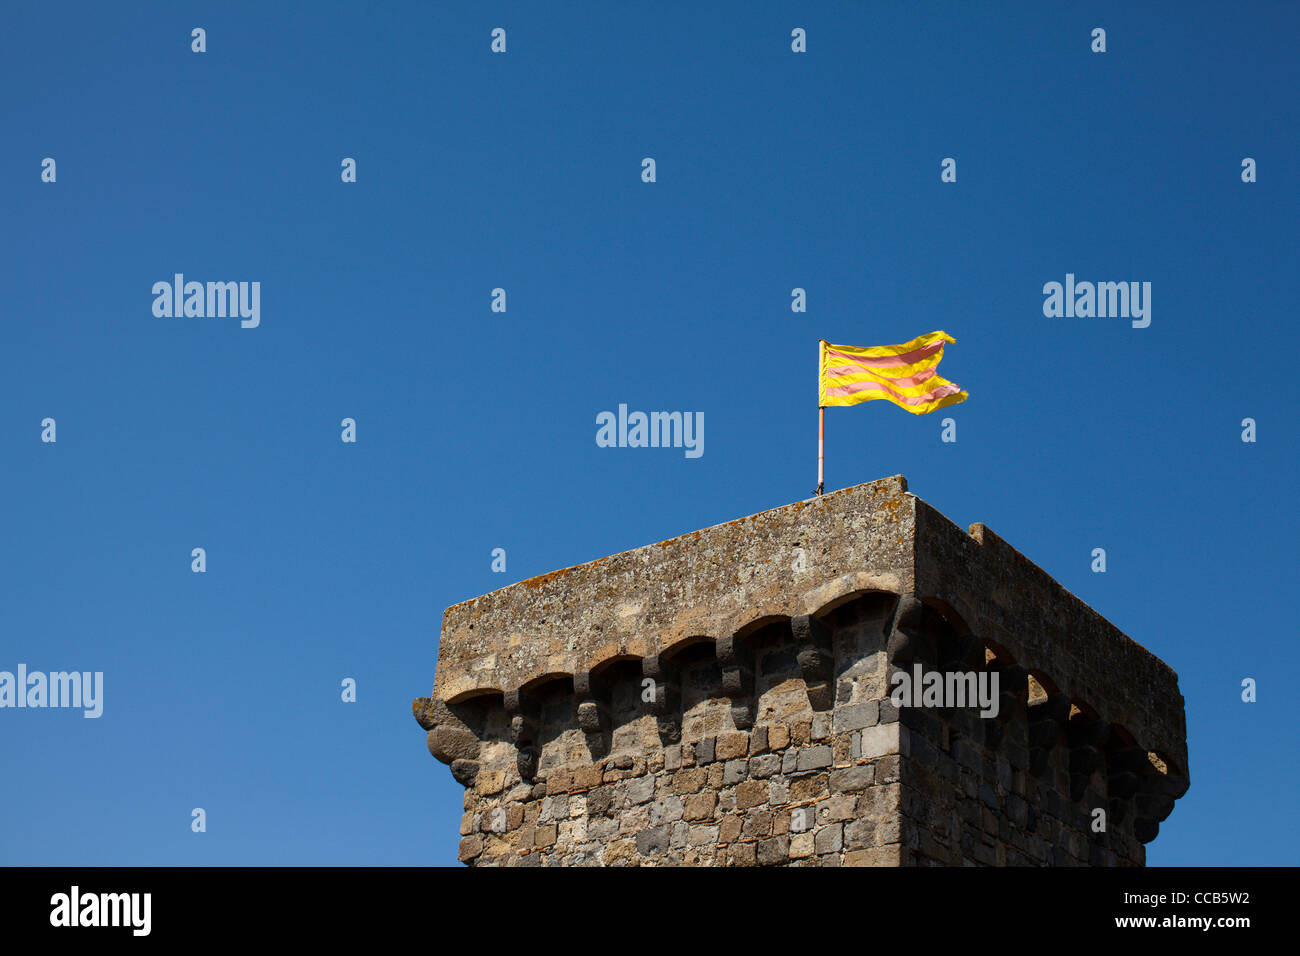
point(726, 697)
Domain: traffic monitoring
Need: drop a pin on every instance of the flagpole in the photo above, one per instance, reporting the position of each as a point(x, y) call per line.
point(821, 447)
point(821, 421)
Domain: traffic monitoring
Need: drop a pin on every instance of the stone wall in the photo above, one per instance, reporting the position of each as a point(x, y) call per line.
point(798, 786)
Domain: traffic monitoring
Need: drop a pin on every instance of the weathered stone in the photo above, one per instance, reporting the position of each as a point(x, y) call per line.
point(689, 780)
point(876, 856)
point(602, 829)
point(750, 794)
point(584, 778)
point(678, 832)
point(764, 766)
point(636, 819)
point(734, 772)
point(813, 787)
point(667, 810)
point(702, 836)
point(560, 780)
point(888, 830)
point(563, 773)
point(699, 806)
point(774, 851)
point(453, 743)
point(653, 841)
point(554, 808)
point(840, 807)
point(852, 778)
point(814, 758)
point(801, 732)
point(742, 854)
point(880, 740)
point(470, 847)
point(600, 799)
point(714, 776)
point(465, 772)
point(757, 825)
point(731, 746)
point(729, 831)
point(859, 834)
point(673, 757)
point(830, 839)
point(780, 823)
point(857, 716)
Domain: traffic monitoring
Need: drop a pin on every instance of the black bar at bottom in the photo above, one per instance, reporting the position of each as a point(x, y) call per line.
point(333, 906)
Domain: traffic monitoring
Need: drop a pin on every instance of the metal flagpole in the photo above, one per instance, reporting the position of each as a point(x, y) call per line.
point(821, 421)
point(821, 447)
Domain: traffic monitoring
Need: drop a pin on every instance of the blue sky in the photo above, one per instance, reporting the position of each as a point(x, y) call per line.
point(476, 429)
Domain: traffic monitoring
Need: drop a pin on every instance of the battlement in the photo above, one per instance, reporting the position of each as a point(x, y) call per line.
point(724, 697)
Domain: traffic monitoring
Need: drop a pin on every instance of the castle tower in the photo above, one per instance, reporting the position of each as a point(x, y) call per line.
point(724, 699)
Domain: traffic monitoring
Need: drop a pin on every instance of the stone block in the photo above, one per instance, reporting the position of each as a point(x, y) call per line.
point(733, 745)
point(814, 758)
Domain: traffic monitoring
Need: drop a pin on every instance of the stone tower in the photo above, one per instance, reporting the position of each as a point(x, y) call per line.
point(727, 698)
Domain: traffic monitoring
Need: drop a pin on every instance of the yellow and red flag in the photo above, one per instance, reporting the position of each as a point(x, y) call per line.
point(903, 374)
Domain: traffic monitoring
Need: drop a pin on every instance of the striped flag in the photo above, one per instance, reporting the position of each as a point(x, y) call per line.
point(903, 374)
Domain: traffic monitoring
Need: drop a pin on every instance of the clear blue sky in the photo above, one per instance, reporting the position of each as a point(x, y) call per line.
point(476, 429)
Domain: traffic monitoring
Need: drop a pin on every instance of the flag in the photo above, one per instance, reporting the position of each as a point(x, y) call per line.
point(904, 374)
